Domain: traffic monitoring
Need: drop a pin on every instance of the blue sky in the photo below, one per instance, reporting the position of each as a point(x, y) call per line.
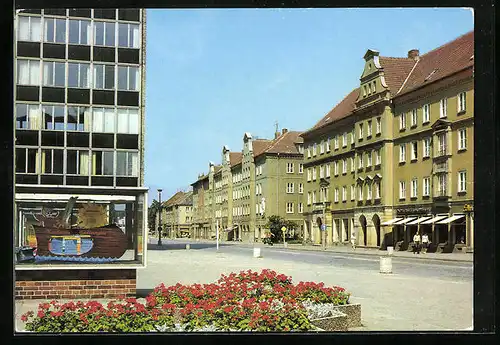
point(214, 74)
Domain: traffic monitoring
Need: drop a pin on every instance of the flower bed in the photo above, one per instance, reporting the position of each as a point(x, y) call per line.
point(248, 301)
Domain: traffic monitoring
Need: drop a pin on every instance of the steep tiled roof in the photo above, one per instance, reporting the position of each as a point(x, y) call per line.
point(285, 143)
point(340, 111)
point(395, 71)
point(174, 199)
point(260, 145)
point(441, 62)
point(186, 199)
point(235, 158)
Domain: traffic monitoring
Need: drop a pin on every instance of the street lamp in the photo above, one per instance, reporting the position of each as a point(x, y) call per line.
point(323, 183)
point(159, 217)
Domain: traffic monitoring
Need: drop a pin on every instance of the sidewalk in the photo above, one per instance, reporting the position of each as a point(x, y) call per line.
point(346, 249)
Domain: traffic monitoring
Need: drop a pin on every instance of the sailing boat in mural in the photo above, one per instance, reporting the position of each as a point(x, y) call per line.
point(57, 238)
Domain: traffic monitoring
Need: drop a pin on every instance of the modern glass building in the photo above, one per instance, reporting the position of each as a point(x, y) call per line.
point(79, 129)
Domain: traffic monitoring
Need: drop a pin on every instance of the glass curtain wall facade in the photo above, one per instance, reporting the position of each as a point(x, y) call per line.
point(79, 118)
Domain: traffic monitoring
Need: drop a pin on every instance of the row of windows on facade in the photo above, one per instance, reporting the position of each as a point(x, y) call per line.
point(75, 31)
point(77, 162)
point(76, 118)
point(290, 188)
point(367, 88)
point(426, 111)
point(78, 75)
point(441, 188)
point(323, 193)
point(324, 169)
point(442, 147)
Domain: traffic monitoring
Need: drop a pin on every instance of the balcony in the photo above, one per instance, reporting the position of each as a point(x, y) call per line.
point(441, 151)
point(441, 193)
point(441, 167)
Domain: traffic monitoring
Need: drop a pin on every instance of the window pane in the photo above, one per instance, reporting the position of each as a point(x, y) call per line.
point(84, 119)
point(98, 76)
point(71, 162)
point(133, 80)
point(60, 30)
point(84, 75)
point(133, 121)
point(109, 82)
point(73, 75)
point(21, 116)
point(72, 118)
point(110, 34)
point(123, 35)
point(23, 32)
point(122, 78)
point(32, 154)
point(74, 31)
point(34, 116)
point(48, 117)
point(122, 121)
point(20, 160)
point(135, 36)
point(107, 163)
point(97, 120)
point(84, 162)
point(34, 72)
point(60, 74)
point(59, 118)
point(58, 162)
point(48, 73)
point(99, 33)
point(84, 32)
point(109, 120)
point(47, 161)
point(49, 30)
point(121, 163)
point(23, 72)
point(36, 29)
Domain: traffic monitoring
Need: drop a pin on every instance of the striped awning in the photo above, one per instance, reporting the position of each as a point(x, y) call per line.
point(433, 220)
point(392, 221)
point(451, 219)
point(404, 221)
point(419, 220)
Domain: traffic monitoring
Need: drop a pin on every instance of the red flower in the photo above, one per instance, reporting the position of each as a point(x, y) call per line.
point(24, 318)
point(41, 314)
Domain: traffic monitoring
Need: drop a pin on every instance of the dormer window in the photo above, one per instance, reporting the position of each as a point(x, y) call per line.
point(364, 91)
point(369, 88)
point(374, 86)
point(369, 66)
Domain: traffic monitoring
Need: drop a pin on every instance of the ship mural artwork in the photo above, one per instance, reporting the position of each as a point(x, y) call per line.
point(88, 240)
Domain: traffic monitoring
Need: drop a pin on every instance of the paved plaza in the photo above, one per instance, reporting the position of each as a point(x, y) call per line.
point(419, 295)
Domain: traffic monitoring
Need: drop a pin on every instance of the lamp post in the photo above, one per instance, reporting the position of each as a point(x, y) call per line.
point(468, 209)
point(323, 183)
point(159, 217)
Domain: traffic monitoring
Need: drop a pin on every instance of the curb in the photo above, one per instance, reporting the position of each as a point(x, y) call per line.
point(299, 247)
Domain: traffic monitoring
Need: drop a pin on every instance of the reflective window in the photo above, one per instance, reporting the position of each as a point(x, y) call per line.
point(102, 162)
point(78, 119)
point(79, 31)
point(28, 116)
point(53, 117)
point(55, 30)
point(28, 72)
point(128, 35)
point(128, 78)
point(54, 73)
point(78, 75)
point(29, 29)
point(126, 163)
point(104, 76)
point(104, 33)
point(103, 120)
point(128, 121)
point(52, 161)
point(77, 162)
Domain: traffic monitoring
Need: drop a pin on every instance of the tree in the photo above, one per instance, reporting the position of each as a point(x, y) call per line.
point(152, 213)
point(275, 223)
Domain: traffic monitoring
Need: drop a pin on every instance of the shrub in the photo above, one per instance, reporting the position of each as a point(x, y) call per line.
point(247, 301)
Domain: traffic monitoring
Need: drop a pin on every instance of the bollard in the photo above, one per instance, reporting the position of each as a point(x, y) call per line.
point(256, 252)
point(188, 246)
point(390, 250)
point(385, 264)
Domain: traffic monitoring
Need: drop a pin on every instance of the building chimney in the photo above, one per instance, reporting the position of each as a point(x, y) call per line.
point(284, 130)
point(413, 54)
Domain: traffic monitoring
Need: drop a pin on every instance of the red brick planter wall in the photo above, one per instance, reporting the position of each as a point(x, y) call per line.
point(66, 284)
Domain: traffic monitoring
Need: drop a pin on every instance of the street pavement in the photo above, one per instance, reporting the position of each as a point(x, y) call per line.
point(421, 294)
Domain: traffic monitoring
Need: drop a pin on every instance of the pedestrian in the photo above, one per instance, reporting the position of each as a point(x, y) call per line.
point(416, 243)
point(353, 241)
point(425, 242)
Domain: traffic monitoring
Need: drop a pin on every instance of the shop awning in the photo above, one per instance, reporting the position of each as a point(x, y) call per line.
point(404, 221)
point(433, 220)
point(419, 220)
point(451, 219)
point(390, 222)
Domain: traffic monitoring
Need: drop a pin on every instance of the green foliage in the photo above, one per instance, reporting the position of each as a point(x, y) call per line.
point(275, 223)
